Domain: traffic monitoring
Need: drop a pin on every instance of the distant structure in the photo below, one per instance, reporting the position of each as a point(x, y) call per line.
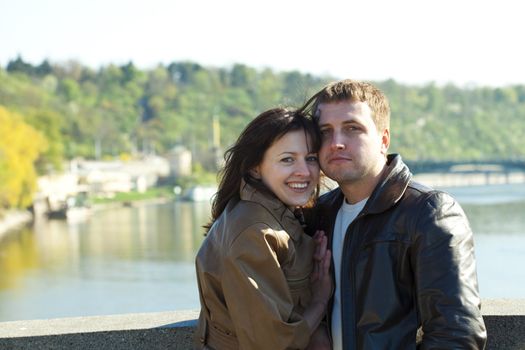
point(179, 158)
point(216, 147)
point(58, 192)
point(120, 176)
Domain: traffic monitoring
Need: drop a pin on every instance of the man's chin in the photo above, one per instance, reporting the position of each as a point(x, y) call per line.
point(341, 177)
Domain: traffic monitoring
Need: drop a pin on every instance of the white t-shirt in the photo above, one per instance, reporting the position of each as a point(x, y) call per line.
point(346, 214)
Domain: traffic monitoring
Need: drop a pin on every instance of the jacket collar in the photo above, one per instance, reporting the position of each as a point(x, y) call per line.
point(277, 209)
point(391, 187)
point(394, 181)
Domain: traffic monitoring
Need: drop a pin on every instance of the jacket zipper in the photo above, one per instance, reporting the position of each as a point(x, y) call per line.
point(349, 242)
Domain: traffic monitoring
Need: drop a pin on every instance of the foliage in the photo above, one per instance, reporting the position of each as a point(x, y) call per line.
point(121, 109)
point(20, 146)
point(124, 110)
point(151, 193)
point(199, 176)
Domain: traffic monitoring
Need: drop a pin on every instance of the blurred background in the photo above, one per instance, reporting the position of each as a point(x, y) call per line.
point(114, 117)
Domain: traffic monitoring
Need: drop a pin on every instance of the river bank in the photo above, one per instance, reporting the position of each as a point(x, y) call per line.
point(470, 179)
point(140, 257)
point(12, 220)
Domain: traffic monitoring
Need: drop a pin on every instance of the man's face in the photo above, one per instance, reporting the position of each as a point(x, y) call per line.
point(352, 148)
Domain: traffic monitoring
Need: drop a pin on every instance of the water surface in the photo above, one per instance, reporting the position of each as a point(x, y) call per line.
point(140, 259)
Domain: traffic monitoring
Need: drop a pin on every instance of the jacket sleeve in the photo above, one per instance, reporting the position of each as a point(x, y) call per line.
point(446, 280)
point(257, 294)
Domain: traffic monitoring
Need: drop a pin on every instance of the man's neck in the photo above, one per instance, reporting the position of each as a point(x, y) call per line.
point(356, 191)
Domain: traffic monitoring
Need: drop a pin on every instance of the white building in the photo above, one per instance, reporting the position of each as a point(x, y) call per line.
point(179, 158)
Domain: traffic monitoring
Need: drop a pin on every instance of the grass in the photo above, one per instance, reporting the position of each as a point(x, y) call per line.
point(154, 192)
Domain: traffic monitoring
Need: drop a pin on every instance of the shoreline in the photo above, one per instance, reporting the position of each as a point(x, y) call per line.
point(130, 203)
point(472, 179)
point(13, 220)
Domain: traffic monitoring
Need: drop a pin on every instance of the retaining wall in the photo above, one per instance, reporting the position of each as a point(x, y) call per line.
point(505, 320)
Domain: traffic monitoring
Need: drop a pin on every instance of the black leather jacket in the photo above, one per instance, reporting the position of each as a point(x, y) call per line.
point(407, 262)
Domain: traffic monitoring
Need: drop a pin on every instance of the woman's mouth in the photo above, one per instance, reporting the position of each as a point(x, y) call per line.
point(298, 185)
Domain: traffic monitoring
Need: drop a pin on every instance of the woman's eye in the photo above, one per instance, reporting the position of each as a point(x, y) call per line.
point(287, 160)
point(312, 159)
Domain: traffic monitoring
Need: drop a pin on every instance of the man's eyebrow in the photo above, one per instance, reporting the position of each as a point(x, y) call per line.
point(343, 123)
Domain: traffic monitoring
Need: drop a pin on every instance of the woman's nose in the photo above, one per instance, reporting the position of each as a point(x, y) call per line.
point(302, 169)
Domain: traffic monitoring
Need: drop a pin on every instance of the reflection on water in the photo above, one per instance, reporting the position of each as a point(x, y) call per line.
point(488, 195)
point(120, 260)
point(497, 219)
point(140, 259)
point(500, 248)
point(496, 214)
point(17, 257)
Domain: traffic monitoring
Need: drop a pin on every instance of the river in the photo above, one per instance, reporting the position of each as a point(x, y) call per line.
point(140, 258)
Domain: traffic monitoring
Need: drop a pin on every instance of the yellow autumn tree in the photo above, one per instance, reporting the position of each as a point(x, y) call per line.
point(20, 146)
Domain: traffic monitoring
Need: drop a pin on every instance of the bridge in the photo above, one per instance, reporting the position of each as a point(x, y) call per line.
point(467, 166)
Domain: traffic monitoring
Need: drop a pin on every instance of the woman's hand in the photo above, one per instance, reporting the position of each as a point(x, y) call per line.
point(320, 282)
point(321, 279)
point(320, 339)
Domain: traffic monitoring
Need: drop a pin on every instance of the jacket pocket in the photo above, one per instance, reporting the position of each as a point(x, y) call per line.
point(386, 237)
point(219, 338)
point(300, 291)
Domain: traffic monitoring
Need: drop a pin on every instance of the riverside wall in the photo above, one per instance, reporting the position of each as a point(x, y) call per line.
point(470, 179)
point(12, 220)
point(504, 318)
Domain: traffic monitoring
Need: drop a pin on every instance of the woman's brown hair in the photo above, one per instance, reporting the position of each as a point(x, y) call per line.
point(248, 152)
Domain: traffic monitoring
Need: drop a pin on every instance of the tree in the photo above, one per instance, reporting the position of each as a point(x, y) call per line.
point(20, 66)
point(20, 147)
point(49, 123)
point(44, 68)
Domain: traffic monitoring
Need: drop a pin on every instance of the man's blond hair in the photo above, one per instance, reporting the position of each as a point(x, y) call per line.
point(355, 91)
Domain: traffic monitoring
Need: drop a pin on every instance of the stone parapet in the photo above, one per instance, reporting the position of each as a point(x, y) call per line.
point(505, 320)
point(13, 220)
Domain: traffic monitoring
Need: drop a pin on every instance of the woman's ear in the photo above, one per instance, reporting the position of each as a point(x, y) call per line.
point(255, 173)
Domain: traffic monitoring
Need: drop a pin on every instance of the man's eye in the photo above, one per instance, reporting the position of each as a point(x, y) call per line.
point(324, 132)
point(351, 128)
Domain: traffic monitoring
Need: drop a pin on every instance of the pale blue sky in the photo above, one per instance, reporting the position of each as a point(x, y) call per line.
point(412, 41)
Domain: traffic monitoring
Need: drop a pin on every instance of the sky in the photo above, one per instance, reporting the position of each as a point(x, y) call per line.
point(463, 42)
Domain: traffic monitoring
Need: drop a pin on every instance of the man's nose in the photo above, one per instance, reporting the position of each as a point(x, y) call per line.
point(336, 142)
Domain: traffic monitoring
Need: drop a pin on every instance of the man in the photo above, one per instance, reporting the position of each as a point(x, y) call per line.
point(403, 253)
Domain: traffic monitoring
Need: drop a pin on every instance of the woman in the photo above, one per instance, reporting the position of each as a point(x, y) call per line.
point(254, 267)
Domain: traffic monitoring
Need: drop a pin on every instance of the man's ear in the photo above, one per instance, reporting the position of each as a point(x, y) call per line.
point(255, 173)
point(385, 141)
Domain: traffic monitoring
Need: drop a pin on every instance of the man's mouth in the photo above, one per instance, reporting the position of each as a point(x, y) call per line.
point(337, 159)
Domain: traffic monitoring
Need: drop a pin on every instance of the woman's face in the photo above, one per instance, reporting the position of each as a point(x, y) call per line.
point(289, 170)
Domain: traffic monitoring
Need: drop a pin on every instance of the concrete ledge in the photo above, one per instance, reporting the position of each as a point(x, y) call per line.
point(162, 330)
point(12, 220)
point(505, 320)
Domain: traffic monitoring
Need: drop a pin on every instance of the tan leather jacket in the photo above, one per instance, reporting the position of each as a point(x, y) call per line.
point(253, 273)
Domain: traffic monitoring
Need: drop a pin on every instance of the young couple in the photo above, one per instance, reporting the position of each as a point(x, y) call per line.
point(381, 258)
